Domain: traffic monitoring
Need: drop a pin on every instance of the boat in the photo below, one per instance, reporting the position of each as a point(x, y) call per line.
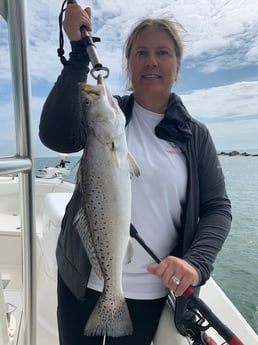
point(51, 198)
point(60, 170)
point(31, 211)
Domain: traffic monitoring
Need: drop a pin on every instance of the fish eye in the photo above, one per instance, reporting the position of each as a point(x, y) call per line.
point(86, 103)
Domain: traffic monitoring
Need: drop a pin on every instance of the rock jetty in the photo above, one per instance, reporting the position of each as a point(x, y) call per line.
point(237, 153)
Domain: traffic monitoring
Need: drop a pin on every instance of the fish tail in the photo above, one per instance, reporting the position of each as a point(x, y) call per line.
point(110, 317)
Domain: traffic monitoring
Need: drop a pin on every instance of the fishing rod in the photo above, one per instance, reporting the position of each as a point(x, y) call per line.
point(197, 303)
point(89, 46)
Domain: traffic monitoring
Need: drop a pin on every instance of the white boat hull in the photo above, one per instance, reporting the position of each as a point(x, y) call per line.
point(51, 199)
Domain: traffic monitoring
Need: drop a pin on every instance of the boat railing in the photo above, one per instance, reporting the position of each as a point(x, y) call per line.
point(14, 13)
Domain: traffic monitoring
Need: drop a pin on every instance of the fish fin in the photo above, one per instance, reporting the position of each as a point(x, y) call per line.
point(79, 175)
point(129, 253)
point(115, 155)
point(110, 317)
point(82, 227)
point(134, 169)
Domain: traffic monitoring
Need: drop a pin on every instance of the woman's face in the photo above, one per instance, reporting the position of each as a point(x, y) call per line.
point(152, 64)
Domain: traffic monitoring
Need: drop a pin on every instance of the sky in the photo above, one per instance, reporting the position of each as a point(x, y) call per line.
point(219, 72)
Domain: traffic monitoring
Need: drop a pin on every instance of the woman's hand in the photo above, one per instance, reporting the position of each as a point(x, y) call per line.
point(75, 17)
point(176, 274)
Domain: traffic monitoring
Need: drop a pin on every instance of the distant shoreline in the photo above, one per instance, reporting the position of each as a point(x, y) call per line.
point(237, 153)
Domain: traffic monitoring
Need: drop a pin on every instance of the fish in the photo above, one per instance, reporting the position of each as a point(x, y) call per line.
point(103, 221)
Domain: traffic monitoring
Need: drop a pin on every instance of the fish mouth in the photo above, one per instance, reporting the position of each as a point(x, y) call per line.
point(96, 92)
point(91, 90)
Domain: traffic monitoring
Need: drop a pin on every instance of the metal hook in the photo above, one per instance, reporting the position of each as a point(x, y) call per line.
point(105, 69)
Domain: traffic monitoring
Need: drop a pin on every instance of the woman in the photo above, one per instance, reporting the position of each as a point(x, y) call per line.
point(179, 203)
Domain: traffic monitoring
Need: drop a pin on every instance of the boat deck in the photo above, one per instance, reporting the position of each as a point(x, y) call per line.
point(10, 247)
point(12, 284)
point(49, 212)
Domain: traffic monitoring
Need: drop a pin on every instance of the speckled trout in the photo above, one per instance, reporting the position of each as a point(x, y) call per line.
point(104, 218)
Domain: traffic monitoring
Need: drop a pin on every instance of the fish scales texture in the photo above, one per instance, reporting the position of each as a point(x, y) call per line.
point(103, 221)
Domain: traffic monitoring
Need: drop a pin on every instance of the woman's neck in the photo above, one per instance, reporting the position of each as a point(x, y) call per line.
point(158, 105)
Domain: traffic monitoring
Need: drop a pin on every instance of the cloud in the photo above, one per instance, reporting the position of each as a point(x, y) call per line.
point(221, 103)
point(220, 47)
point(223, 34)
point(230, 112)
point(231, 118)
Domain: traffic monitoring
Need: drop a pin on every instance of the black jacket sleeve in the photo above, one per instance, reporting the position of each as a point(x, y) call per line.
point(62, 126)
point(211, 210)
point(214, 219)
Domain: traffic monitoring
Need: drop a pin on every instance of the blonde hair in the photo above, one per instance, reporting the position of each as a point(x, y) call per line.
point(170, 26)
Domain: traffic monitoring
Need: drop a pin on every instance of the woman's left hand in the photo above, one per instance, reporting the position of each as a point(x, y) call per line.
point(176, 274)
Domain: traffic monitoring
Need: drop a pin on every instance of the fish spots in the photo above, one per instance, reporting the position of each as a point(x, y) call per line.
point(112, 307)
point(95, 201)
point(104, 184)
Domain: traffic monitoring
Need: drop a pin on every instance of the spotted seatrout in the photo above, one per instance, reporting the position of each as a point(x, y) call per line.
point(104, 218)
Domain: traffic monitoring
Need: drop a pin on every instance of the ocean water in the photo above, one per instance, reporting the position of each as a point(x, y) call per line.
point(236, 267)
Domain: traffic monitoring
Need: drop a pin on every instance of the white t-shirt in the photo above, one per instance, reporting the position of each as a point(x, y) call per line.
point(158, 195)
